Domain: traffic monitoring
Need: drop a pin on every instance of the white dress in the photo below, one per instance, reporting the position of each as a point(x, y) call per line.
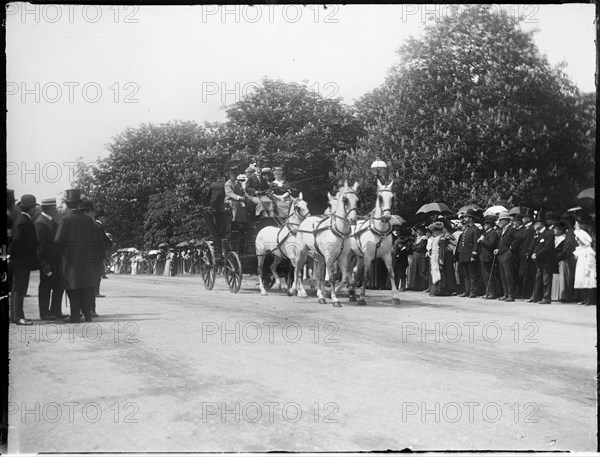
point(585, 270)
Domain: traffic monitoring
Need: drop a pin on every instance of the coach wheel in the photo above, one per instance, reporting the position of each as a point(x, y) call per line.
point(208, 268)
point(233, 272)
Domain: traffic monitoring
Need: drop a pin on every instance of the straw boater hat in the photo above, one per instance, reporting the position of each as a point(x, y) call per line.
point(48, 202)
point(504, 215)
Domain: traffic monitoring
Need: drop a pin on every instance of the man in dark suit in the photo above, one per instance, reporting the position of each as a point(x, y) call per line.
point(467, 254)
point(49, 258)
point(23, 257)
point(506, 254)
point(82, 253)
point(526, 236)
point(488, 244)
point(215, 199)
point(543, 254)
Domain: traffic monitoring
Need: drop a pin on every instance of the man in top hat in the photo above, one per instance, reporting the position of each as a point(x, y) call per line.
point(23, 257)
point(488, 245)
point(82, 253)
point(525, 238)
point(100, 219)
point(72, 198)
point(552, 217)
point(49, 258)
point(543, 253)
point(467, 254)
point(507, 252)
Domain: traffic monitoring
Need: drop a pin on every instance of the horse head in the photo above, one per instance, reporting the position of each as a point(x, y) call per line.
point(385, 200)
point(299, 207)
point(347, 202)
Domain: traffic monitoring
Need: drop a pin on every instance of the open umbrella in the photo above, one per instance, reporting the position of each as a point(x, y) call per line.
point(495, 210)
point(434, 208)
point(397, 220)
point(590, 192)
point(518, 210)
point(133, 250)
point(153, 252)
point(163, 245)
point(183, 244)
point(464, 209)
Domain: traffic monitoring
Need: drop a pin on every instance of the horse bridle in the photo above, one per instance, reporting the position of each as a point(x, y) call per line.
point(388, 209)
point(346, 213)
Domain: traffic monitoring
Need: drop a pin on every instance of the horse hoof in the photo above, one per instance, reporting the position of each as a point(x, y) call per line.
point(362, 302)
point(322, 301)
point(301, 294)
point(290, 292)
point(337, 304)
point(396, 301)
point(352, 298)
point(264, 294)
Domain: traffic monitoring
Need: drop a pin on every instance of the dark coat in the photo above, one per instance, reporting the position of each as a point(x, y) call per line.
point(506, 241)
point(23, 248)
point(215, 195)
point(467, 243)
point(488, 244)
point(253, 184)
point(545, 252)
point(82, 251)
point(48, 251)
point(525, 240)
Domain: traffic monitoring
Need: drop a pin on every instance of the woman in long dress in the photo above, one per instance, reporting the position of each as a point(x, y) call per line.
point(585, 270)
point(419, 276)
point(561, 284)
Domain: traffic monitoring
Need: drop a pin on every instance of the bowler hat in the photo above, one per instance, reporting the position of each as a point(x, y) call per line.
point(504, 215)
point(73, 195)
point(539, 220)
point(85, 205)
point(49, 202)
point(27, 201)
point(489, 219)
point(517, 217)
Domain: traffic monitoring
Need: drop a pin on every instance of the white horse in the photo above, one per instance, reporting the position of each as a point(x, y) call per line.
point(280, 242)
point(325, 238)
point(372, 239)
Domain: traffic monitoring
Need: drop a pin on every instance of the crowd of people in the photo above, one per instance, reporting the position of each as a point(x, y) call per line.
point(506, 256)
point(502, 257)
point(68, 252)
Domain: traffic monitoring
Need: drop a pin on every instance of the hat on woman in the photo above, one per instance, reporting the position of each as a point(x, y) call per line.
point(583, 236)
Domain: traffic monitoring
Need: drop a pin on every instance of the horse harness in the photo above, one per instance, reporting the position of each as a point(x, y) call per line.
point(377, 232)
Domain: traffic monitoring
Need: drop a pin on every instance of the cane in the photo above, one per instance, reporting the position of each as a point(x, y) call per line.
point(491, 276)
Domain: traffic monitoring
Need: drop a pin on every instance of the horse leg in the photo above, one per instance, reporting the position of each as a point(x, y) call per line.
point(387, 258)
point(331, 268)
point(367, 260)
point(261, 260)
point(274, 265)
point(320, 276)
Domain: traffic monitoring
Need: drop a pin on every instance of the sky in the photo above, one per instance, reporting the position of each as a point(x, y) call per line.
point(77, 76)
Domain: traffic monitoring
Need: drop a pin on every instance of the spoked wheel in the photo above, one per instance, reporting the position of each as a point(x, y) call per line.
point(233, 272)
point(208, 269)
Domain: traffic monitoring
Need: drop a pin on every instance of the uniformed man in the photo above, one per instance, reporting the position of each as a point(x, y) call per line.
point(526, 237)
point(49, 258)
point(467, 254)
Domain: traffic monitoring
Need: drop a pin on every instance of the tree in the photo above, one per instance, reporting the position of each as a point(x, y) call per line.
point(289, 125)
point(473, 113)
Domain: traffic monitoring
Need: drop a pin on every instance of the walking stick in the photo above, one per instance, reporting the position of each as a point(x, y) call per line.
point(491, 276)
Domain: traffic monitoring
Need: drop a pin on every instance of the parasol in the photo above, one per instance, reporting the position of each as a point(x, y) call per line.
point(495, 210)
point(133, 250)
point(397, 220)
point(163, 245)
point(464, 209)
point(183, 244)
point(153, 252)
point(434, 208)
point(590, 192)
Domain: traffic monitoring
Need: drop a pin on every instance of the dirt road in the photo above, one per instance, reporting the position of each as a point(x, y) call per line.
point(170, 366)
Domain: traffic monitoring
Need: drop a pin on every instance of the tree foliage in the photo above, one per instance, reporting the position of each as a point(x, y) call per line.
point(473, 113)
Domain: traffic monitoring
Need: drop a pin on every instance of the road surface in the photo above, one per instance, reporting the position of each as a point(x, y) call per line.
point(170, 366)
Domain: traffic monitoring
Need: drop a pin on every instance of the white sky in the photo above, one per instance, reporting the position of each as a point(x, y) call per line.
point(179, 62)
